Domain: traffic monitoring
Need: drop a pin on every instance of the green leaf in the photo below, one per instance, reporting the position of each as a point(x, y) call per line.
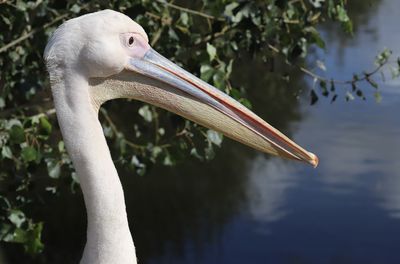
point(155, 152)
point(6, 21)
point(219, 79)
point(209, 152)
point(75, 9)
point(333, 88)
point(146, 113)
point(34, 244)
point(206, 72)
point(229, 9)
point(378, 97)
point(19, 236)
point(334, 98)
point(54, 169)
point(324, 88)
point(196, 154)
point(344, 18)
point(185, 18)
point(349, 96)
point(342, 14)
point(372, 83)
point(16, 217)
point(214, 137)
point(6, 233)
point(383, 57)
point(314, 97)
point(360, 94)
point(6, 152)
point(168, 161)
point(317, 3)
point(61, 146)
point(45, 125)
point(17, 134)
point(212, 51)
point(29, 154)
point(229, 69)
point(172, 34)
point(2, 103)
point(246, 103)
point(21, 5)
point(316, 37)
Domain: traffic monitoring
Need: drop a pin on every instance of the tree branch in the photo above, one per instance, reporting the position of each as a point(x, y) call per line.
point(191, 11)
point(36, 30)
point(366, 76)
point(31, 33)
point(116, 131)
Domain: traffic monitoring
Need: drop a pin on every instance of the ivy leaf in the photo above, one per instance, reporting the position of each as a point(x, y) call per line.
point(185, 18)
point(214, 137)
point(349, 96)
point(2, 103)
point(229, 9)
point(315, 37)
point(378, 97)
point(21, 5)
point(54, 169)
point(212, 51)
point(45, 125)
point(29, 154)
point(206, 72)
point(75, 9)
point(219, 79)
point(317, 3)
point(314, 97)
point(334, 98)
point(323, 87)
point(145, 112)
point(372, 83)
point(342, 14)
point(6, 233)
point(209, 152)
point(16, 217)
point(196, 154)
point(246, 103)
point(17, 134)
point(168, 161)
point(6, 152)
point(34, 244)
point(155, 152)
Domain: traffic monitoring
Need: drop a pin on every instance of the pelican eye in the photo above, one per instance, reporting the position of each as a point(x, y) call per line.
point(131, 40)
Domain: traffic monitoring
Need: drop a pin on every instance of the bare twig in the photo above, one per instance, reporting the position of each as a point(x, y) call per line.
point(48, 112)
point(116, 131)
point(191, 11)
point(366, 76)
point(31, 33)
point(35, 30)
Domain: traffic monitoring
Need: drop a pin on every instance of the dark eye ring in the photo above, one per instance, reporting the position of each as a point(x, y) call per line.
point(131, 40)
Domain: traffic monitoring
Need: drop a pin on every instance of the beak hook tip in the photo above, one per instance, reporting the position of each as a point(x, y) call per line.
point(314, 160)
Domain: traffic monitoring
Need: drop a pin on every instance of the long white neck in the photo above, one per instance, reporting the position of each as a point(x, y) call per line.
point(108, 237)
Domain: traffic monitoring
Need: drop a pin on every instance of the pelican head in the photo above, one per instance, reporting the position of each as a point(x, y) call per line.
point(111, 52)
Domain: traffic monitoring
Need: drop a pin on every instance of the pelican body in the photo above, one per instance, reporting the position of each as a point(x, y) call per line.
point(106, 55)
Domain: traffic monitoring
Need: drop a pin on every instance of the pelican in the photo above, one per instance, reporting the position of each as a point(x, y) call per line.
point(106, 55)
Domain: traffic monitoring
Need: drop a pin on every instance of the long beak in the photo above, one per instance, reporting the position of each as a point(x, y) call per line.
point(244, 125)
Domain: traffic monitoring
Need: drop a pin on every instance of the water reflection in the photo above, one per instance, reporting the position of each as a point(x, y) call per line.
point(269, 182)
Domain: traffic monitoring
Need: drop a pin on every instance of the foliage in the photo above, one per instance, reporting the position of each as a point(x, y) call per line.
point(205, 36)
